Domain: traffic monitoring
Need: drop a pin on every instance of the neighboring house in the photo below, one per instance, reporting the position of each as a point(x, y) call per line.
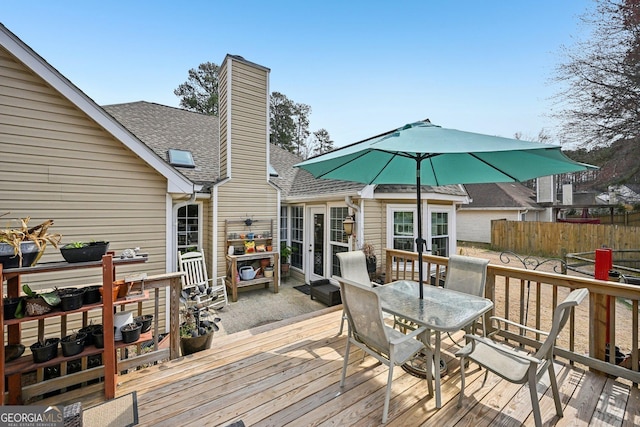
point(510, 200)
point(105, 173)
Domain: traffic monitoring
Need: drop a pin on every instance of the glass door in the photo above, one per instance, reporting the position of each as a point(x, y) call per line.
point(316, 261)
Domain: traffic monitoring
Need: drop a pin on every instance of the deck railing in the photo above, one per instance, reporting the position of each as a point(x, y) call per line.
point(529, 297)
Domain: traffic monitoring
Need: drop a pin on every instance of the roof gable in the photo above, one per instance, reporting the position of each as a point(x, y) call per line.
point(176, 183)
point(501, 195)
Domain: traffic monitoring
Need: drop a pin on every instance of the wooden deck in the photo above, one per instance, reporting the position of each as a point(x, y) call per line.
point(287, 373)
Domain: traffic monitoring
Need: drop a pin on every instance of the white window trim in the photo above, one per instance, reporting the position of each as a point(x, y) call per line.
point(391, 208)
point(175, 222)
point(451, 225)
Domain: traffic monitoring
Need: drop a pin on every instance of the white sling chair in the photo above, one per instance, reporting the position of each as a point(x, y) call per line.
point(368, 331)
point(518, 367)
point(353, 267)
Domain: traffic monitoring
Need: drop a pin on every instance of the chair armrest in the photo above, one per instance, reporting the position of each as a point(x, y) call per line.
point(407, 337)
point(518, 325)
point(502, 349)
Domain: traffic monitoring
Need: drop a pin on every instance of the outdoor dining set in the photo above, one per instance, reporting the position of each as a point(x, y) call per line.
point(395, 323)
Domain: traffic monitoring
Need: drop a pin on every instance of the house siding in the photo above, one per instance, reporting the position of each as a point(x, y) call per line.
point(475, 226)
point(59, 164)
point(247, 194)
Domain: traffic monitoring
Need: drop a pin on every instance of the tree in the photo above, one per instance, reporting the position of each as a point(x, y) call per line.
point(200, 92)
point(322, 142)
point(281, 122)
point(600, 98)
point(301, 120)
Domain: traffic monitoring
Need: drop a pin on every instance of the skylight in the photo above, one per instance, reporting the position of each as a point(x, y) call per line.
point(182, 158)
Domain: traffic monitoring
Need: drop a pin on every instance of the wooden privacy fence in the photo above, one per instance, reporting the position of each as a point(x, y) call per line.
point(555, 239)
point(529, 297)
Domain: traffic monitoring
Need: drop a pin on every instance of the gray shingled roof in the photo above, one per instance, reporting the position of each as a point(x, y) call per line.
point(501, 195)
point(161, 127)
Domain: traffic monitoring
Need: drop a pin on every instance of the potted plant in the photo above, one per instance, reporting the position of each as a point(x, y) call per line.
point(23, 246)
point(37, 304)
point(83, 251)
point(370, 255)
point(285, 253)
point(196, 334)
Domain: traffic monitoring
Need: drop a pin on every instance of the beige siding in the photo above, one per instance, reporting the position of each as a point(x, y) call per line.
point(247, 193)
point(475, 226)
point(57, 163)
point(374, 227)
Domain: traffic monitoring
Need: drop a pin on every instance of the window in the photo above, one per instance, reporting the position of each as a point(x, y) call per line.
point(284, 230)
point(297, 235)
point(337, 215)
point(404, 227)
point(182, 158)
point(338, 240)
point(440, 233)
point(188, 228)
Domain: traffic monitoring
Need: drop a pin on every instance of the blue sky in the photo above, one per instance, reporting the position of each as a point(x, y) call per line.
point(364, 67)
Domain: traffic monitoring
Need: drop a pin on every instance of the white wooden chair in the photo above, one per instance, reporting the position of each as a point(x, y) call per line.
point(515, 366)
point(353, 267)
point(197, 289)
point(368, 332)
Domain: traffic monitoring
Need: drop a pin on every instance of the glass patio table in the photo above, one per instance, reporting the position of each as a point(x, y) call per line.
point(441, 310)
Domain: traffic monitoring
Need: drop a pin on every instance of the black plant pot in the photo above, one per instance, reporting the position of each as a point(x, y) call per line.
point(10, 306)
point(91, 295)
point(98, 337)
point(146, 320)
point(190, 345)
point(70, 299)
point(73, 344)
point(43, 353)
point(88, 330)
point(92, 252)
point(131, 332)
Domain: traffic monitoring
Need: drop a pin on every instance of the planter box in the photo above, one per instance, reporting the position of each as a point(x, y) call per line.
point(92, 252)
point(9, 259)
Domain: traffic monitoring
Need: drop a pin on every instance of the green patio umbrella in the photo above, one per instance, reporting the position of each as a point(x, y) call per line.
point(422, 153)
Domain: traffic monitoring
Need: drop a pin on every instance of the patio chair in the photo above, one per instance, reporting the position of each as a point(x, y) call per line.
point(353, 266)
point(197, 289)
point(467, 275)
point(515, 366)
point(367, 331)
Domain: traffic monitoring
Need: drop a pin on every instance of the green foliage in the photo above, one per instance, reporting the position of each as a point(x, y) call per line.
point(321, 142)
point(281, 121)
point(200, 92)
point(285, 253)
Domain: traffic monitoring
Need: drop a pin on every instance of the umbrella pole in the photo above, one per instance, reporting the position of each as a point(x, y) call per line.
point(420, 242)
